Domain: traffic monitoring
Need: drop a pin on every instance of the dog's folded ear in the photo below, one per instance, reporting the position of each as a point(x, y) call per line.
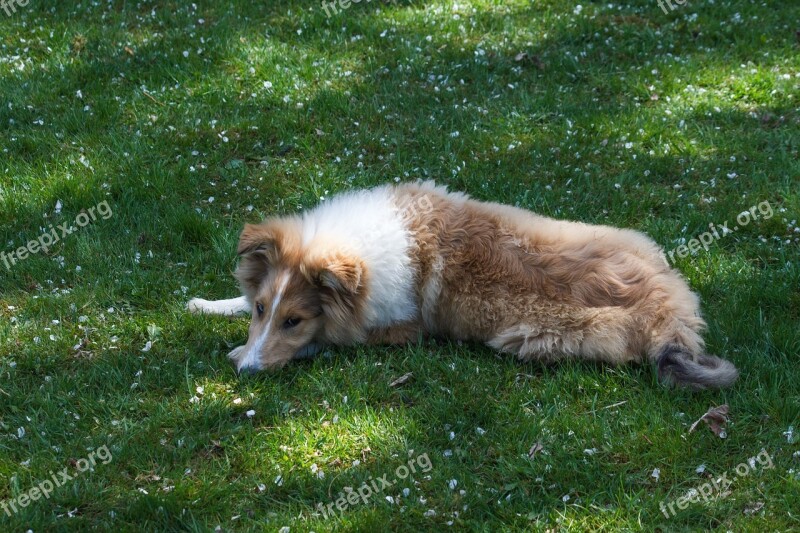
point(338, 272)
point(341, 280)
point(258, 251)
point(257, 239)
point(342, 275)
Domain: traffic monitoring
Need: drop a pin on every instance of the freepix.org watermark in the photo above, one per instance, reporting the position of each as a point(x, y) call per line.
point(9, 7)
point(704, 240)
point(53, 235)
point(717, 486)
point(343, 4)
point(57, 479)
point(373, 486)
point(669, 3)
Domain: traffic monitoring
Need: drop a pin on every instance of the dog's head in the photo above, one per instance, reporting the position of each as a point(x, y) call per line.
point(301, 294)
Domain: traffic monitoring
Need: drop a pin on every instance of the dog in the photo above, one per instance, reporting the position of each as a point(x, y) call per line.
point(395, 264)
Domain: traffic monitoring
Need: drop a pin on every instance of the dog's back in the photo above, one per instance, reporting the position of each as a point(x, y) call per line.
point(547, 289)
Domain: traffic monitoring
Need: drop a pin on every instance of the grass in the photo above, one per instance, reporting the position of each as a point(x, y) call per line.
point(189, 121)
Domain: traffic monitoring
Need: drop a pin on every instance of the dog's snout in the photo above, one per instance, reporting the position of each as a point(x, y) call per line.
point(247, 370)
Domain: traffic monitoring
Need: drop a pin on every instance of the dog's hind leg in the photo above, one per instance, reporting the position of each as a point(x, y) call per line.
point(670, 314)
point(668, 334)
point(233, 306)
point(550, 332)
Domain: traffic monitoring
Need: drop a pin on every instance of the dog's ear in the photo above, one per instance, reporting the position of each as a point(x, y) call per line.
point(257, 239)
point(338, 272)
point(341, 281)
point(342, 275)
point(258, 252)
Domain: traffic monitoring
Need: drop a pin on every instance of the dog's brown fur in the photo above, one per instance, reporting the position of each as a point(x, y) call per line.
point(532, 286)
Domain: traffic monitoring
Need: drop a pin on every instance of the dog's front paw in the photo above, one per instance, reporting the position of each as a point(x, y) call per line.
point(197, 305)
point(309, 351)
point(236, 352)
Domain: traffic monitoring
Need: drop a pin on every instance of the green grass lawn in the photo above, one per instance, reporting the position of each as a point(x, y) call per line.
point(190, 120)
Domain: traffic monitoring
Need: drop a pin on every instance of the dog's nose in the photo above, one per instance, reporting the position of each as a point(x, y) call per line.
point(247, 370)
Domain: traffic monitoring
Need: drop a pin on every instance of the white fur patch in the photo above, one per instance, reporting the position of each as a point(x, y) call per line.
point(369, 223)
point(252, 359)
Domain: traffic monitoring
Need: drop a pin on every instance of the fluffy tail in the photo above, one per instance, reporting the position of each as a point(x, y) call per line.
point(678, 366)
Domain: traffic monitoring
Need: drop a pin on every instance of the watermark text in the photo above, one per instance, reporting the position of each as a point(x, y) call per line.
point(53, 235)
point(374, 486)
point(58, 479)
point(718, 486)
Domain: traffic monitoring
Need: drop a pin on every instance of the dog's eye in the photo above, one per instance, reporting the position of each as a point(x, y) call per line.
point(260, 309)
point(291, 322)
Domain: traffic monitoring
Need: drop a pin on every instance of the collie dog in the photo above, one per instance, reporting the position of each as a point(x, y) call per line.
point(398, 263)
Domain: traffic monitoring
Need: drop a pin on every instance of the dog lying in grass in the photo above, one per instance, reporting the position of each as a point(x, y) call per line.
point(394, 264)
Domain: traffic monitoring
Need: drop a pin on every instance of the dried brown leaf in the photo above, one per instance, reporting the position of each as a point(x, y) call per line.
point(536, 448)
point(534, 60)
point(216, 449)
point(148, 477)
point(753, 507)
point(402, 380)
point(715, 417)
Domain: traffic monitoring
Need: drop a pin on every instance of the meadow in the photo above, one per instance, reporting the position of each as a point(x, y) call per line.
point(166, 125)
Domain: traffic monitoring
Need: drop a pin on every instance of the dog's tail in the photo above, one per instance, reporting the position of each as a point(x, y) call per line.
point(677, 365)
